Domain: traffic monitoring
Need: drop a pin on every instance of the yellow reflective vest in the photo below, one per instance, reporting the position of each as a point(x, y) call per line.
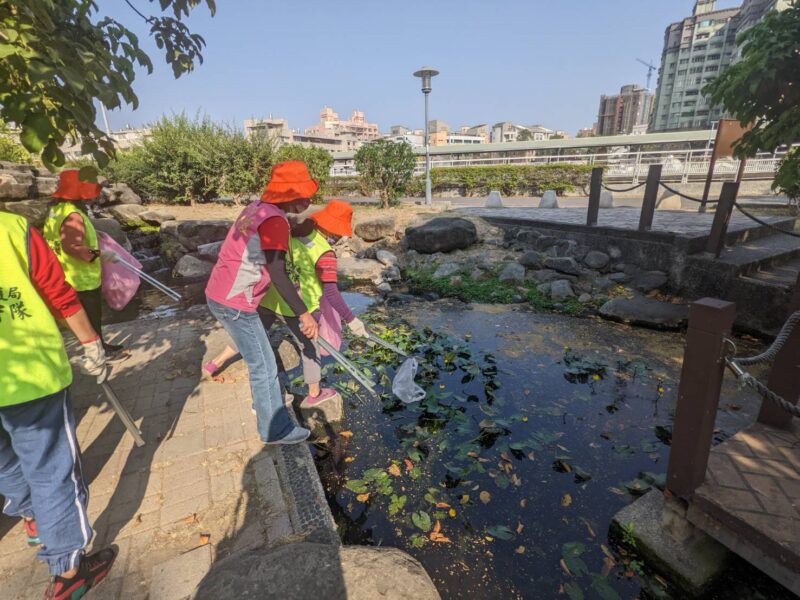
point(80, 274)
point(33, 362)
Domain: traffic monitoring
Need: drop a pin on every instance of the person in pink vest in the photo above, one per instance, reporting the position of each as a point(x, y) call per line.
point(253, 257)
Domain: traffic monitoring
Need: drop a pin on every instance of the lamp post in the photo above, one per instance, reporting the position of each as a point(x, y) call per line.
point(426, 74)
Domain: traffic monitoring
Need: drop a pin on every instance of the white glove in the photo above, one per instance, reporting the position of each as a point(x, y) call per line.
point(93, 361)
point(109, 256)
point(358, 328)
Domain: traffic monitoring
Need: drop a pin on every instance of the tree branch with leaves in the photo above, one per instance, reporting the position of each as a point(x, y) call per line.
point(58, 57)
point(386, 166)
point(763, 88)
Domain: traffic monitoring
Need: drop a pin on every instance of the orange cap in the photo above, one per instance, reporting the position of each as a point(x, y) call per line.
point(289, 181)
point(335, 218)
point(70, 187)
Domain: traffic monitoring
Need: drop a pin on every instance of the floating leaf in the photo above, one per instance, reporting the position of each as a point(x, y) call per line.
point(573, 549)
point(417, 540)
point(501, 532)
point(396, 503)
point(358, 486)
point(485, 497)
point(421, 520)
point(348, 459)
point(362, 497)
point(442, 505)
point(464, 499)
point(603, 588)
point(581, 475)
point(520, 527)
point(573, 590)
point(452, 512)
point(394, 470)
point(520, 550)
point(637, 487)
point(566, 500)
point(346, 434)
point(408, 464)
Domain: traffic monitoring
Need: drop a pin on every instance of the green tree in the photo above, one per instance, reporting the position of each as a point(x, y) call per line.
point(248, 162)
point(763, 88)
point(386, 166)
point(10, 149)
point(318, 161)
point(57, 57)
point(526, 135)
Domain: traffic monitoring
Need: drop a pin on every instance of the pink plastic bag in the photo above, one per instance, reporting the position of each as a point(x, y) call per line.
point(330, 326)
point(119, 283)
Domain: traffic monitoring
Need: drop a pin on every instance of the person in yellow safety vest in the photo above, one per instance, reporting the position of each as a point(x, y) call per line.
point(314, 262)
point(40, 470)
point(72, 236)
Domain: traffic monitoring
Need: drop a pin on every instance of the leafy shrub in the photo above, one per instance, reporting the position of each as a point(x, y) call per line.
point(11, 150)
point(387, 167)
point(510, 180)
point(318, 161)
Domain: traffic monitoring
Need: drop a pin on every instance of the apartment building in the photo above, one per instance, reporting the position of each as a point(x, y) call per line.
point(357, 127)
point(696, 50)
point(626, 112)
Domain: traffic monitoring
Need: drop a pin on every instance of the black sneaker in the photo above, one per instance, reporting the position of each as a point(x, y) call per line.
point(91, 571)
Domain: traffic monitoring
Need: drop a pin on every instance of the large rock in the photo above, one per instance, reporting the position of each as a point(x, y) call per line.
point(375, 229)
point(648, 281)
point(561, 290)
point(114, 229)
point(156, 217)
point(392, 273)
point(646, 312)
point(33, 210)
point(531, 260)
point(446, 270)
point(549, 200)
point(191, 267)
point(16, 184)
point(318, 571)
point(595, 259)
point(387, 258)
point(209, 252)
point(546, 275)
point(129, 215)
point(443, 234)
point(359, 269)
point(45, 186)
point(120, 193)
point(527, 236)
point(512, 272)
point(192, 234)
point(563, 264)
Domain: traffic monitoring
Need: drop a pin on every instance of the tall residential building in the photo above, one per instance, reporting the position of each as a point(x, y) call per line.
point(696, 49)
point(625, 112)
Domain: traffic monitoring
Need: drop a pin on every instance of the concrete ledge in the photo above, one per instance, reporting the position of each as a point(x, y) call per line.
point(691, 564)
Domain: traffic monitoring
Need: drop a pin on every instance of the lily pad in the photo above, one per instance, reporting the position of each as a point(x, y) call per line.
point(500, 532)
point(421, 520)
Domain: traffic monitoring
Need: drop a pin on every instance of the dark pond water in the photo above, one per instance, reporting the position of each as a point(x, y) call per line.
point(535, 431)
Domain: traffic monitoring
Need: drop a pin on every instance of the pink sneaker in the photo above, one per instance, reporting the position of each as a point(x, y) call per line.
point(324, 394)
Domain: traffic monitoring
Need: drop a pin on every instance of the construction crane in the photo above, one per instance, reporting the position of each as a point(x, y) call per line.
point(650, 68)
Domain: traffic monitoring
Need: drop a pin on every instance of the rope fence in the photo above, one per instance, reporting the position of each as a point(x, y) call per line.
point(736, 365)
point(689, 198)
point(622, 191)
point(765, 223)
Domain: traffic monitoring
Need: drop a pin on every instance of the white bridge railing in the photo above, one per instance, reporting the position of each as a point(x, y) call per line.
point(683, 165)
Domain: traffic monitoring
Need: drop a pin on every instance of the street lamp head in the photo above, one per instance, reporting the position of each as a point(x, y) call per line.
point(426, 73)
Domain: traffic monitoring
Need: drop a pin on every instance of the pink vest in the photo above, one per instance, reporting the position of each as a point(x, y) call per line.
point(240, 278)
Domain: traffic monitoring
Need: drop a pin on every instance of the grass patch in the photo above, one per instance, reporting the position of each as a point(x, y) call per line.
point(492, 291)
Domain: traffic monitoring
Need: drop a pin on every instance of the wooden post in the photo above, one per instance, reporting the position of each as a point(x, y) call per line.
point(650, 198)
point(709, 177)
point(719, 228)
point(784, 378)
point(595, 187)
point(710, 320)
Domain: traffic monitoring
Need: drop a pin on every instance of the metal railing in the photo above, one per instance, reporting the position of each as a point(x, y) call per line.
point(622, 167)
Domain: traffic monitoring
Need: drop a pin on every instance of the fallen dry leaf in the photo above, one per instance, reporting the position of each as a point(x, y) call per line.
point(505, 457)
point(362, 497)
point(192, 518)
point(348, 459)
point(564, 568)
point(606, 551)
point(204, 538)
point(566, 500)
point(452, 512)
point(608, 566)
point(394, 470)
point(409, 465)
point(520, 550)
point(437, 527)
point(525, 418)
point(589, 527)
point(516, 480)
point(346, 434)
point(485, 497)
point(472, 454)
point(441, 539)
point(442, 505)
point(520, 527)
point(522, 503)
point(464, 499)
point(616, 490)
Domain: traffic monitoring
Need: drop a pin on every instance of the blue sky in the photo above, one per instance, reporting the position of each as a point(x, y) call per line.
point(527, 61)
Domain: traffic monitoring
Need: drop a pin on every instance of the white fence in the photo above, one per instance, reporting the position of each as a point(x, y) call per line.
point(683, 165)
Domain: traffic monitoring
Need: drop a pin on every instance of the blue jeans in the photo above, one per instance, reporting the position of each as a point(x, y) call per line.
point(251, 340)
point(40, 476)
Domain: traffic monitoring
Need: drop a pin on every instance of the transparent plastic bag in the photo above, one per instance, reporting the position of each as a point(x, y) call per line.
point(403, 385)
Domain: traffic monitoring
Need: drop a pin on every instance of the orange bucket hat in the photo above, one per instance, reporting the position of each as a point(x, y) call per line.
point(289, 181)
point(335, 218)
point(70, 187)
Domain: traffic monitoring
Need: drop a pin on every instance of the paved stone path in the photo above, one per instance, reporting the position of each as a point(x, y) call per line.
point(689, 224)
point(203, 471)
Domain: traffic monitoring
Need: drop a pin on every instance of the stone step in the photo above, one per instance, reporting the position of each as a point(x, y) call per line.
point(757, 231)
point(750, 256)
point(783, 275)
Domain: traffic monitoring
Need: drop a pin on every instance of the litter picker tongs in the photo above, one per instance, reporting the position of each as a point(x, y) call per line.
point(347, 365)
point(374, 338)
point(123, 414)
point(151, 280)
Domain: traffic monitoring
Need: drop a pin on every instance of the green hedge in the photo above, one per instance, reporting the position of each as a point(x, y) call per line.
point(510, 180)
